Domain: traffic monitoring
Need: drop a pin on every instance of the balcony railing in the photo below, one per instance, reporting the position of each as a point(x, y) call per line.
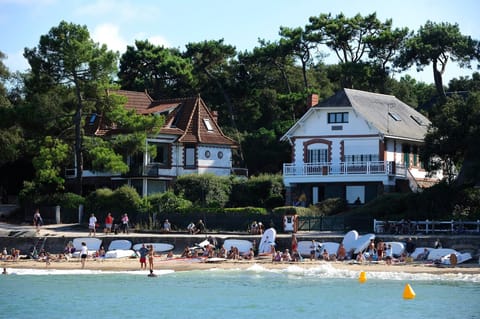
point(342, 168)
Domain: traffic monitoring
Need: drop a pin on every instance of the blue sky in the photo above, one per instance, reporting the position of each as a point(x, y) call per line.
point(119, 23)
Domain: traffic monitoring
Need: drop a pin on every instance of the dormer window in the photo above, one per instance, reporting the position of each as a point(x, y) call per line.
point(417, 119)
point(395, 116)
point(338, 117)
point(208, 125)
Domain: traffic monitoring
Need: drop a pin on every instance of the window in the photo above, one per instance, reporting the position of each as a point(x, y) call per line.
point(220, 154)
point(395, 116)
point(318, 156)
point(190, 156)
point(160, 156)
point(357, 158)
point(93, 117)
point(339, 117)
point(208, 124)
point(207, 154)
point(417, 119)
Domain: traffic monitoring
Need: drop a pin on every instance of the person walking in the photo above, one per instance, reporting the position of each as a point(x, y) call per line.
point(108, 224)
point(37, 220)
point(92, 225)
point(125, 222)
point(83, 254)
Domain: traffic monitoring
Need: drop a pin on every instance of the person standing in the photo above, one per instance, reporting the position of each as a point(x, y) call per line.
point(151, 254)
point(125, 222)
point(37, 220)
point(108, 223)
point(143, 251)
point(92, 224)
point(167, 227)
point(84, 254)
point(294, 243)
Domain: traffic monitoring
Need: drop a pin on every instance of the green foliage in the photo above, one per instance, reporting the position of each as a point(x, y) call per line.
point(48, 167)
point(453, 138)
point(260, 191)
point(329, 206)
point(119, 201)
point(246, 210)
point(206, 190)
point(435, 44)
point(168, 203)
point(292, 210)
point(163, 72)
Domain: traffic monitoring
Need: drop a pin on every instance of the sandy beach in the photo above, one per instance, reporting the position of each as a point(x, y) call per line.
point(178, 264)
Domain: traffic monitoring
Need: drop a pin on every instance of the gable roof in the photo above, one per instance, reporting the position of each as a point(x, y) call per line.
point(185, 117)
point(390, 116)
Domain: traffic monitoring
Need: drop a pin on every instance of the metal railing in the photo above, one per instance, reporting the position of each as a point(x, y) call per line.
point(341, 168)
point(426, 227)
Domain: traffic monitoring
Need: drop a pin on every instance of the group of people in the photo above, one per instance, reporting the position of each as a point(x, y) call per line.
point(197, 228)
point(13, 256)
point(124, 225)
point(256, 228)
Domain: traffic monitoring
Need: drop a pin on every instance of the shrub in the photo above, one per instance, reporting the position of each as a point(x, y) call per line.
point(204, 190)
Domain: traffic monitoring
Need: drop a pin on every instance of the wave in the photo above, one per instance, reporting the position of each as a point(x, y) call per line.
point(321, 271)
point(328, 271)
point(43, 272)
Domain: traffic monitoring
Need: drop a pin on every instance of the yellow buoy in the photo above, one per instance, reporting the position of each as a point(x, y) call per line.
point(363, 277)
point(408, 292)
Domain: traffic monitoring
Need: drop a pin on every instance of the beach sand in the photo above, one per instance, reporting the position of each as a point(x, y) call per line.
point(177, 264)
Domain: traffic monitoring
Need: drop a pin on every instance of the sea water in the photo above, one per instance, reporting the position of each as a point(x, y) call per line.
point(293, 292)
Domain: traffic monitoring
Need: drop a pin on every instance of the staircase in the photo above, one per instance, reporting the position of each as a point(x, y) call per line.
point(38, 246)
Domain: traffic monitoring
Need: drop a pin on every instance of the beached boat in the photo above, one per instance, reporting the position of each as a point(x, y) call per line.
point(157, 247)
point(243, 245)
point(304, 248)
point(120, 248)
point(93, 245)
point(268, 239)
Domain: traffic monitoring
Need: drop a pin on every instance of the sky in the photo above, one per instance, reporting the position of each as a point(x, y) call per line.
point(118, 23)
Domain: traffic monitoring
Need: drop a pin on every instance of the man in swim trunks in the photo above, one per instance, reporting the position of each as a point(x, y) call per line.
point(143, 251)
point(108, 224)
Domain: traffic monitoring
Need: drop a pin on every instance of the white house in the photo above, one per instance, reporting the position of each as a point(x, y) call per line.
point(355, 145)
point(190, 142)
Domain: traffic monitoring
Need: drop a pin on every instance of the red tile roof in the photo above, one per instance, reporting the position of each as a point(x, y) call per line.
point(186, 117)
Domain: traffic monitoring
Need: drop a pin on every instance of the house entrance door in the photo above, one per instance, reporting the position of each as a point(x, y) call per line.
point(318, 194)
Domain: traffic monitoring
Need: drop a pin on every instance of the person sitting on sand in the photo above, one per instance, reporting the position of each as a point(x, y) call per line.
point(222, 252)
point(277, 257)
point(423, 256)
point(341, 253)
point(360, 257)
point(325, 255)
point(249, 255)
point(186, 253)
point(286, 256)
point(389, 255)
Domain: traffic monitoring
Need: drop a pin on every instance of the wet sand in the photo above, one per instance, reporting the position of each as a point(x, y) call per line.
point(178, 264)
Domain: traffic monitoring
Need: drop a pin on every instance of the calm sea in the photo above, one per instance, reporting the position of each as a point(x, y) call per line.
point(322, 292)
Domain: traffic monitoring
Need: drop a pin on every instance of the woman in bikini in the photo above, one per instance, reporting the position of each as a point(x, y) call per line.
point(151, 254)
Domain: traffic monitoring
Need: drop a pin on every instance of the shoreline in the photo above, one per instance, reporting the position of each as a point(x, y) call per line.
point(177, 265)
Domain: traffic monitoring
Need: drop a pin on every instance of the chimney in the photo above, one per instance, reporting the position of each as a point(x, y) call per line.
point(215, 116)
point(312, 100)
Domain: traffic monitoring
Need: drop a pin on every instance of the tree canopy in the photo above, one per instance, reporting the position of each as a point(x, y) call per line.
point(258, 94)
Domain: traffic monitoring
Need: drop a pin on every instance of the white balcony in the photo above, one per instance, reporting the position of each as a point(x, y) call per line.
point(342, 171)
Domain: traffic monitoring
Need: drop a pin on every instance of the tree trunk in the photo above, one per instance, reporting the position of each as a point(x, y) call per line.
point(437, 76)
point(78, 141)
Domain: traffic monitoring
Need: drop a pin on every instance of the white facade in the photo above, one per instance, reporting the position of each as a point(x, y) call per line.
point(354, 151)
